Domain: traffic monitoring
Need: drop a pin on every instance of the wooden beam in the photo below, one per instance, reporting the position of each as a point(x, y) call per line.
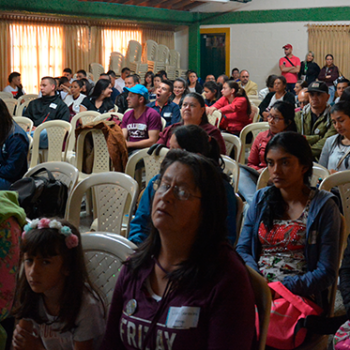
point(133, 2)
point(192, 5)
point(181, 4)
point(170, 3)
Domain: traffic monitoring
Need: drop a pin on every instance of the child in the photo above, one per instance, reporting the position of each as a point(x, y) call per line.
point(54, 293)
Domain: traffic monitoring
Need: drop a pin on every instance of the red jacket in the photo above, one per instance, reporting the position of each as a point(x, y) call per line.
point(235, 112)
point(256, 159)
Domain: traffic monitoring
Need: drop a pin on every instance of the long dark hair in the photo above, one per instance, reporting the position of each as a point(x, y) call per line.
point(240, 92)
point(288, 113)
point(49, 242)
point(200, 99)
point(6, 122)
point(214, 88)
point(101, 85)
point(149, 74)
point(295, 144)
point(204, 258)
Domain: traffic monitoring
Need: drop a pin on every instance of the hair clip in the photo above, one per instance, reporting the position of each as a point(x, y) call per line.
point(71, 239)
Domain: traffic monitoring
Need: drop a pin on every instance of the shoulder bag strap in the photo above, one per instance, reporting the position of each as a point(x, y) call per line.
point(289, 61)
point(342, 158)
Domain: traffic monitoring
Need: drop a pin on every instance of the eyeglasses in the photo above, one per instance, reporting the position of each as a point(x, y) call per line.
point(180, 192)
point(275, 119)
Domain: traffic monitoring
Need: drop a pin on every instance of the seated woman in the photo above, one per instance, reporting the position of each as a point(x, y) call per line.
point(211, 90)
point(100, 98)
point(193, 112)
point(14, 146)
point(281, 118)
point(193, 85)
point(75, 98)
point(180, 91)
point(149, 76)
point(335, 154)
point(194, 139)
point(291, 232)
point(280, 94)
point(234, 106)
point(269, 86)
point(87, 88)
point(184, 286)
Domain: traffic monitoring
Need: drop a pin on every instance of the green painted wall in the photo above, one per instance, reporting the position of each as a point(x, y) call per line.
point(194, 48)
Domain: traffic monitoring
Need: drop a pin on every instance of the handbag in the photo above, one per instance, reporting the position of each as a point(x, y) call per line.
point(341, 340)
point(288, 313)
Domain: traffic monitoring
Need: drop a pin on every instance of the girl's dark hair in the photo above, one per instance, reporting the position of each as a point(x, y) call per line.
point(80, 83)
point(345, 95)
point(48, 242)
point(302, 83)
point(149, 74)
point(200, 99)
point(270, 80)
point(101, 85)
point(342, 106)
point(184, 83)
point(288, 113)
point(193, 138)
point(213, 87)
point(6, 122)
point(330, 55)
point(87, 85)
point(283, 79)
point(295, 144)
point(240, 92)
point(204, 258)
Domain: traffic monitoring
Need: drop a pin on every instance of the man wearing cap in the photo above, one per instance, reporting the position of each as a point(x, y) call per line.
point(142, 125)
point(290, 67)
point(314, 121)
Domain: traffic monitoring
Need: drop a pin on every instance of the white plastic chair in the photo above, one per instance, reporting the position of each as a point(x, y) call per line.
point(116, 62)
point(104, 255)
point(255, 114)
point(163, 123)
point(25, 123)
point(96, 69)
point(27, 97)
point(114, 196)
point(162, 58)
point(5, 95)
point(133, 58)
point(254, 128)
point(263, 179)
point(57, 131)
point(151, 52)
point(11, 104)
point(239, 217)
point(215, 118)
point(254, 99)
point(232, 170)
point(20, 108)
point(232, 141)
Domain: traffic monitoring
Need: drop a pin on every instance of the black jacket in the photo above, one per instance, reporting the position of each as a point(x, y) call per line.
point(122, 103)
point(312, 72)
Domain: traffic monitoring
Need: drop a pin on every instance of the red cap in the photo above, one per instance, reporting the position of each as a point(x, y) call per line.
point(288, 46)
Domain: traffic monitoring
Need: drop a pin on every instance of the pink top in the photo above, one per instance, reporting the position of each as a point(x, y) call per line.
point(291, 78)
point(256, 159)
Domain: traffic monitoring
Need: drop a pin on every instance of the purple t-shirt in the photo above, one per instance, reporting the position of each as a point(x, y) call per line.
point(138, 128)
point(219, 316)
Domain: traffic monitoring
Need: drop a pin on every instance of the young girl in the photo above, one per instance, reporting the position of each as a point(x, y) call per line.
point(56, 304)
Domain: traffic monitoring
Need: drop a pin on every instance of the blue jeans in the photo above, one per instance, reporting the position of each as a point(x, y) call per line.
point(44, 142)
point(331, 91)
point(4, 184)
point(247, 185)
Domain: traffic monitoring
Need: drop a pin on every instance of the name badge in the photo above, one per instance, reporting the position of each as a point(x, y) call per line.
point(167, 114)
point(183, 317)
point(53, 105)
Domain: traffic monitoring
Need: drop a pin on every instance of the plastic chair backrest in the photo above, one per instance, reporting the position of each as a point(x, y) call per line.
point(215, 118)
point(232, 141)
point(96, 69)
point(104, 255)
point(163, 123)
point(239, 217)
point(152, 49)
point(163, 53)
point(116, 62)
point(133, 52)
point(232, 170)
point(255, 113)
point(106, 116)
point(263, 179)
point(254, 128)
point(152, 163)
point(174, 58)
point(5, 94)
point(57, 131)
point(27, 97)
point(263, 300)
point(20, 108)
point(11, 104)
point(318, 172)
point(25, 123)
point(114, 196)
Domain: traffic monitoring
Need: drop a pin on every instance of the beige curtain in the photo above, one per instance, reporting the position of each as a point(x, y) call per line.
point(95, 45)
point(331, 39)
point(76, 54)
point(161, 37)
point(5, 53)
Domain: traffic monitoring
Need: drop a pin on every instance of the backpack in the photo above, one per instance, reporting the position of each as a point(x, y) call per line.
point(41, 196)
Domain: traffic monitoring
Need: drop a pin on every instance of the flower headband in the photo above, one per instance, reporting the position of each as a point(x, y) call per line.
point(71, 239)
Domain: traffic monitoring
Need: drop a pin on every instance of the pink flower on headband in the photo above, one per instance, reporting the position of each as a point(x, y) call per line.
point(44, 223)
point(72, 241)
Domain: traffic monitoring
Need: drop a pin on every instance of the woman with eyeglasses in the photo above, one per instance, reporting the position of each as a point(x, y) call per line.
point(281, 118)
point(184, 287)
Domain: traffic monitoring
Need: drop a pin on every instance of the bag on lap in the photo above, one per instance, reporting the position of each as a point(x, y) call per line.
point(41, 195)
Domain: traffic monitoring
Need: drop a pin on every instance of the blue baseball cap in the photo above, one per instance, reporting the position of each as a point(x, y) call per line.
point(138, 89)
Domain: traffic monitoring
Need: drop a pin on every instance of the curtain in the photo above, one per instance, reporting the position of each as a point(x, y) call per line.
point(5, 52)
point(161, 37)
point(95, 45)
point(331, 39)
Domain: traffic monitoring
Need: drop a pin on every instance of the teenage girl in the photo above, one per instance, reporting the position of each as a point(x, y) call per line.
point(56, 305)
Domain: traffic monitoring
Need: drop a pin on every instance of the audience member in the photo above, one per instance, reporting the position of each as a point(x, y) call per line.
point(309, 70)
point(234, 106)
point(299, 85)
point(63, 87)
point(100, 99)
point(342, 84)
point(235, 76)
point(270, 81)
point(81, 74)
point(290, 67)
point(291, 233)
point(157, 80)
point(185, 263)
point(194, 85)
point(115, 93)
point(87, 88)
point(168, 110)
point(15, 87)
point(53, 263)
point(14, 146)
point(180, 91)
point(249, 86)
point(209, 77)
point(163, 74)
point(68, 73)
point(336, 150)
point(122, 102)
point(141, 125)
point(303, 99)
point(75, 98)
point(280, 94)
point(191, 138)
point(211, 90)
point(120, 82)
point(222, 79)
point(113, 78)
point(193, 112)
point(328, 74)
point(314, 121)
point(149, 84)
point(345, 95)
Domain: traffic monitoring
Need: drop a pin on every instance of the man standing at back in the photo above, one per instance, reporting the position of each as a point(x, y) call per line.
point(290, 67)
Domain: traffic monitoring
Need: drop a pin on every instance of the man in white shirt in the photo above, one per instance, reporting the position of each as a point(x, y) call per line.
point(120, 82)
point(15, 87)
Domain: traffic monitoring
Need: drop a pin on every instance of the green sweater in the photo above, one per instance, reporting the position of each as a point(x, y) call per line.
point(9, 207)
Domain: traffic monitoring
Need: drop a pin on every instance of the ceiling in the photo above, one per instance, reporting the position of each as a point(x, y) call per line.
point(183, 5)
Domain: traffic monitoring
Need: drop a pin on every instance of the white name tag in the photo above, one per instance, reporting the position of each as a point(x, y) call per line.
point(183, 317)
point(53, 105)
